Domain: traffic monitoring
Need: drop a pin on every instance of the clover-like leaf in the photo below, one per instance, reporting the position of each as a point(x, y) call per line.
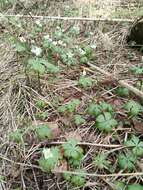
point(94, 109)
point(44, 132)
point(101, 161)
point(70, 107)
point(50, 159)
point(136, 145)
point(72, 150)
point(79, 120)
point(105, 122)
point(78, 180)
point(127, 161)
point(133, 108)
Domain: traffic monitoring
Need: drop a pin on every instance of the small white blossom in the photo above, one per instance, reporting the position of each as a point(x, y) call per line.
point(60, 42)
point(36, 50)
point(47, 37)
point(38, 22)
point(55, 43)
point(93, 46)
point(22, 39)
point(47, 153)
point(70, 55)
point(82, 52)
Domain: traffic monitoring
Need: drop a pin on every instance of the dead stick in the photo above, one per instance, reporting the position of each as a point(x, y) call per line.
point(123, 83)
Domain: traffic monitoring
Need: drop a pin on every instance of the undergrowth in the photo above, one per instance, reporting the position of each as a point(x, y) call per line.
point(74, 129)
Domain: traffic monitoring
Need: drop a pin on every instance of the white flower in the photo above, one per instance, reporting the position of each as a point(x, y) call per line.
point(70, 55)
point(60, 42)
point(36, 50)
point(93, 46)
point(47, 37)
point(55, 43)
point(82, 52)
point(22, 39)
point(47, 153)
point(38, 22)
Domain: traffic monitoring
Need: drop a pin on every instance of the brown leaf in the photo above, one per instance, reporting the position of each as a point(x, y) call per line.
point(138, 126)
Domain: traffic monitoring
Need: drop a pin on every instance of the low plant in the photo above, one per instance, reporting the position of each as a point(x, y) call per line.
point(43, 132)
point(73, 152)
point(133, 108)
point(100, 161)
point(16, 136)
point(121, 91)
point(70, 107)
point(49, 159)
point(79, 120)
point(95, 109)
point(77, 180)
point(85, 82)
point(127, 161)
point(136, 145)
point(105, 122)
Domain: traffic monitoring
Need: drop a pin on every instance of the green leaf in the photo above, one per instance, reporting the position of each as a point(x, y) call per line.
point(136, 145)
point(137, 70)
point(85, 82)
point(36, 65)
point(94, 109)
point(135, 187)
point(78, 180)
point(72, 150)
point(40, 104)
point(133, 108)
point(105, 122)
point(101, 161)
point(121, 91)
point(16, 136)
point(79, 120)
point(120, 185)
point(127, 161)
point(20, 47)
point(44, 132)
point(50, 159)
point(106, 107)
point(70, 107)
point(83, 59)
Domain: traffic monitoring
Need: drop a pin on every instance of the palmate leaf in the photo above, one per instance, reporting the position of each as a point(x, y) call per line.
point(79, 120)
point(50, 159)
point(44, 132)
point(133, 108)
point(136, 145)
point(36, 65)
point(127, 161)
point(100, 161)
point(72, 150)
point(105, 122)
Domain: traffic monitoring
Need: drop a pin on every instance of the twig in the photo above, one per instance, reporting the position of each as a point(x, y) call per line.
point(99, 175)
point(66, 18)
point(123, 83)
point(91, 144)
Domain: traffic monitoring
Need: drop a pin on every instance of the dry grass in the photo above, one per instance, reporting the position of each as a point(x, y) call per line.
point(17, 106)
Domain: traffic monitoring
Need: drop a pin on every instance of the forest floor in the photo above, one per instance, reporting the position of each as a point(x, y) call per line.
point(67, 119)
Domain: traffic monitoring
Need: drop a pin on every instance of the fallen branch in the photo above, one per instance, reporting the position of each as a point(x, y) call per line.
point(123, 83)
